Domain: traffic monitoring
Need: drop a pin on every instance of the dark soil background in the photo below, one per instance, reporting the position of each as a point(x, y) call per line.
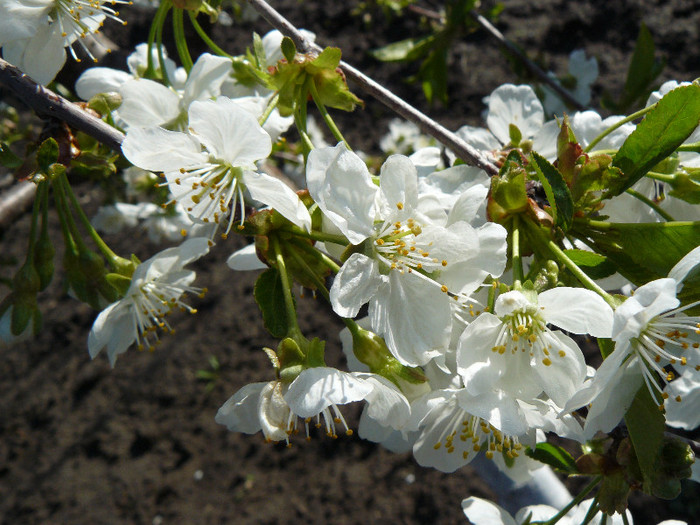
point(83, 443)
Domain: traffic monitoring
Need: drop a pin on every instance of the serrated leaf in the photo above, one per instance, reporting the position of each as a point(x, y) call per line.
point(404, 50)
point(665, 128)
point(557, 191)
point(646, 424)
point(595, 265)
point(554, 456)
point(269, 295)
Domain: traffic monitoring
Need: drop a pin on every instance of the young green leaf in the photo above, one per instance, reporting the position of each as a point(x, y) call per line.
point(595, 265)
point(557, 191)
point(269, 295)
point(404, 50)
point(665, 128)
point(554, 456)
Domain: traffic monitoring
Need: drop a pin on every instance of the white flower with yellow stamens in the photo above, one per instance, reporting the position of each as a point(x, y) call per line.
point(402, 257)
point(157, 286)
point(516, 352)
point(209, 167)
point(651, 331)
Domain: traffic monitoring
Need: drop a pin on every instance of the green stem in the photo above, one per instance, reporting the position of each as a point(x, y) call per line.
point(71, 235)
point(661, 177)
point(651, 204)
point(36, 210)
point(322, 236)
point(208, 41)
point(518, 275)
point(322, 257)
point(320, 286)
point(161, 56)
point(592, 510)
point(158, 21)
point(181, 41)
point(612, 128)
point(580, 274)
point(578, 499)
point(492, 297)
point(324, 113)
point(286, 289)
point(271, 105)
point(693, 147)
point(114, 260)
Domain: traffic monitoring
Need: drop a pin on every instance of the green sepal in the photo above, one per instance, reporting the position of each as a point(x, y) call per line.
point(674, 464)
point(289, 354)
point(646, 425)
point(656, 137)
point(613, 493)
point(269, 295)
point(686, 186)
point(554, 456)
point(119, 282)
point(507, 195)
point(105, 103)
point(556, 189)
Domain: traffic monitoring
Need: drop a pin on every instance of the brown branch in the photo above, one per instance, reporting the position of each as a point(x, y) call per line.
point(49, 104)
point(463, 150)
point(15, 201)
point(543, 77)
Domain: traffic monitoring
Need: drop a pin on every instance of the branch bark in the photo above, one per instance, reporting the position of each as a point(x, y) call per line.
point(461, 148)
point(49, 104)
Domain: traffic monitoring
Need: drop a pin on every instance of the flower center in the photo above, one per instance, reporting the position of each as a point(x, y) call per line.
point(525, 332)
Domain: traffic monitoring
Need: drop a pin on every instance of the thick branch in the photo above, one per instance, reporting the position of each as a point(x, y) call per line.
point(463, 150)
point(47, 103)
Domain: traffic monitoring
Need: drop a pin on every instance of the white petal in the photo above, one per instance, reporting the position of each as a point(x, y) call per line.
point(318, 388)
point(518, 105)
point(684, 414)
point(157, 149)
point(229, 132)
point(386, 403)
point(341, 185)
point(398, 183)
point(356, 283)
point(245, 259)
point(205, 78)
point(685, 266)
point(565, 374)
point(100, 80)
point(40, 57)
point(483, 512)
point(275, 193)
point(22, 19)
point(577, 310)
point(148, 103)
point(240, 412)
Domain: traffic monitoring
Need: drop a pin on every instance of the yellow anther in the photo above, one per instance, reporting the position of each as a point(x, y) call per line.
point(399, 205)
point(546, 361)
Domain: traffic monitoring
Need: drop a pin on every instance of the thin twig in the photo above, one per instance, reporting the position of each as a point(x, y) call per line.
point(565, 95)
point(49, 104)
point(463, 150)
point(15, 201)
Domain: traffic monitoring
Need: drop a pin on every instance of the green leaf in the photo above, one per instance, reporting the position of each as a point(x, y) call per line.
point(646, 424)
point(404, 50)
point(686, 186)
point(433, 75)
point(554, 456)
point(665, 128)
point(259, 52)
point(269, 295)
point(557, 191)
point(329, 59)
point(47, 154)
point(8, 158)
point(646, 251)
point(644, 68)
point(595, 265)
point(289, 50)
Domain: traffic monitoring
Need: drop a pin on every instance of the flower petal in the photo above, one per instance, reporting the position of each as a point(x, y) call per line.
point(577, 310)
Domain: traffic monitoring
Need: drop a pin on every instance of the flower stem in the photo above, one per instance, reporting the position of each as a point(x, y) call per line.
point(320, 286)
point(661, 177)
point(271, 105)
point(580, 274)
point(694, 147)
point(208, 41)
point(578, 499)
point(324, 113)
point(159, 43)
point(322, 236)
point(181, 41)
point(322, 257)
point(116, 262)
point(286, 289)
point(158, 20)
point(618, 124)
point(651, 204)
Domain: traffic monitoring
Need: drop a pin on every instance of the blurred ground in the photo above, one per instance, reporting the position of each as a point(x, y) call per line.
point(83, 443)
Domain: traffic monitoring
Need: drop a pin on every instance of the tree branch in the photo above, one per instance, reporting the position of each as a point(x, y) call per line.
point(49, 104)
point(463, 150)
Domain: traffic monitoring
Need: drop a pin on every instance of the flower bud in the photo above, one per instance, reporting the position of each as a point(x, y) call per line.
point(43, 259)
